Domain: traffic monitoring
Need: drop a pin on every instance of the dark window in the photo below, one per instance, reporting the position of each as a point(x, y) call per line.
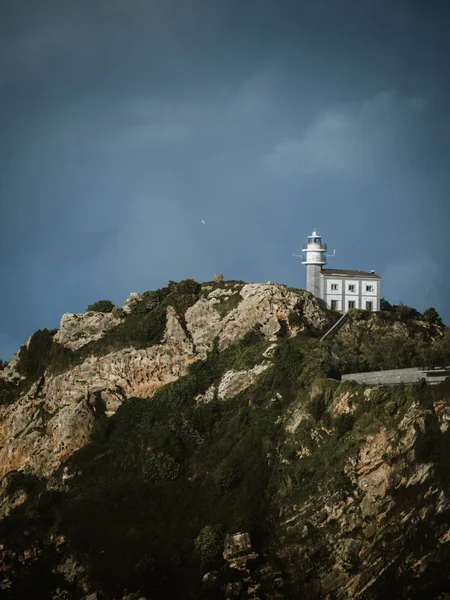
point(334, 305)
point(369, 305)
point(369, 288)
point(351, 304)
point(334, 286)
point(351, 288)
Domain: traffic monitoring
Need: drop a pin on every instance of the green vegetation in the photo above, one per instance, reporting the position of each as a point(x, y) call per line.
point(162, 480)
point(228, 303)
point(209, 545)
point(102, 306)
point(394, 338)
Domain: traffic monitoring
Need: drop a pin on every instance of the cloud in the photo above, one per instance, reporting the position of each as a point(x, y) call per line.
point(347, 143)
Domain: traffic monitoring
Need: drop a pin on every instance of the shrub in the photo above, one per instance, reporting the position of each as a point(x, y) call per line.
point(102, 306)
point(295, 319)
point(209, 545)
point(317, 408)
point(118, 312)
point(432, 316)
point(160, 467)
point(344, 423)
point(386, 306)
point(406, 312)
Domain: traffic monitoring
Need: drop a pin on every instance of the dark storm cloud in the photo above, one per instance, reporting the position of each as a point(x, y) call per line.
point(125, 123)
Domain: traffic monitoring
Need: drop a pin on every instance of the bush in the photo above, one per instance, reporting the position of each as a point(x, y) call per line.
point(295, 319)
point(406, 312)
point(344, 423)
point(118, 312)
point(386, 306)
point(317, 408)
point(102, 306)
point(432, 316)
point(160, 467)
point(209, 545)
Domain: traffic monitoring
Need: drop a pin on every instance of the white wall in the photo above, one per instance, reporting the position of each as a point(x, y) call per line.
point(360, 295)
point(338, 300)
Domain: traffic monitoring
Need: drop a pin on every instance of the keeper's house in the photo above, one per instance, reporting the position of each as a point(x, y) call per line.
point(338, 289)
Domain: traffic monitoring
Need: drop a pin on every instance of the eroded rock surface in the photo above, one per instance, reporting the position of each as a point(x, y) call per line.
point(76, 330)
point(56, 416)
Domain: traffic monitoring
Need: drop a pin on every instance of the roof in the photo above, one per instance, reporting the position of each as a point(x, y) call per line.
point(349, 273)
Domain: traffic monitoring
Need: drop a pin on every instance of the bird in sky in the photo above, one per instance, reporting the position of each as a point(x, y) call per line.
point(204, 222)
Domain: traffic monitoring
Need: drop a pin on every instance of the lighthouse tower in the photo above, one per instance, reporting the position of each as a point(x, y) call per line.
point(314, 258)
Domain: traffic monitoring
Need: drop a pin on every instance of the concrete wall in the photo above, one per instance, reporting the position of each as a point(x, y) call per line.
point(386, 377)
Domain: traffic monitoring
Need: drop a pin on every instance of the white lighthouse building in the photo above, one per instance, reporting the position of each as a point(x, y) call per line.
point(338, 289)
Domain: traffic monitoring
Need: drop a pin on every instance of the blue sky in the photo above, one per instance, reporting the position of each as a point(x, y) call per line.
point(126, 122)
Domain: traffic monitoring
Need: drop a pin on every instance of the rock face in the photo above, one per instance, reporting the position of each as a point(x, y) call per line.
point(41, 430)
point(11, 373)
point(353, 479)
point(233, 383)
point(56, 416)
point(262, 305)
point(77, 330)
point(373, 526)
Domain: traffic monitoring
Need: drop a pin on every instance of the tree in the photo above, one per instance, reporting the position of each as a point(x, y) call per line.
point(3, 364)
point(432, 316)
point(385, 305)
point(406, 312)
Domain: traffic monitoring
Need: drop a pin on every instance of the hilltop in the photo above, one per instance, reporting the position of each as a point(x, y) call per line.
point(198, 443)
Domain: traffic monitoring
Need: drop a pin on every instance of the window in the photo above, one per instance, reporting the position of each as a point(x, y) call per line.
point(334, 286)
point(334, 305)
point(369, 305)
point(369, 288)
point(351, 304)
point(351, 287)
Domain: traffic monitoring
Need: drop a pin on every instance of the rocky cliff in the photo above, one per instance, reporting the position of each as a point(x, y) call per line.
point(198, 443)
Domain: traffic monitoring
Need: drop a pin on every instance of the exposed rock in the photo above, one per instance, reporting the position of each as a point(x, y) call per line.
point(56, 416)
point(39, 434)
point(343, 404)
point(238, 550)
point(270, 351)
point(76, 330)
point(11, 372)
point(132, 299)
point(234, 382)
point(263, 306)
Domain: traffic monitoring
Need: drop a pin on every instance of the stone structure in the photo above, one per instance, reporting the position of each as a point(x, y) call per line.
point(338, 289)
point(392, 376)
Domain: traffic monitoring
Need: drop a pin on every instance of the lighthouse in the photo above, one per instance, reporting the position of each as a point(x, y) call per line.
point(338, 289)
point(314, 258)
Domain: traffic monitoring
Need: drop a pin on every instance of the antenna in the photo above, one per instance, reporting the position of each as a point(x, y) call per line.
point(331, 255)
